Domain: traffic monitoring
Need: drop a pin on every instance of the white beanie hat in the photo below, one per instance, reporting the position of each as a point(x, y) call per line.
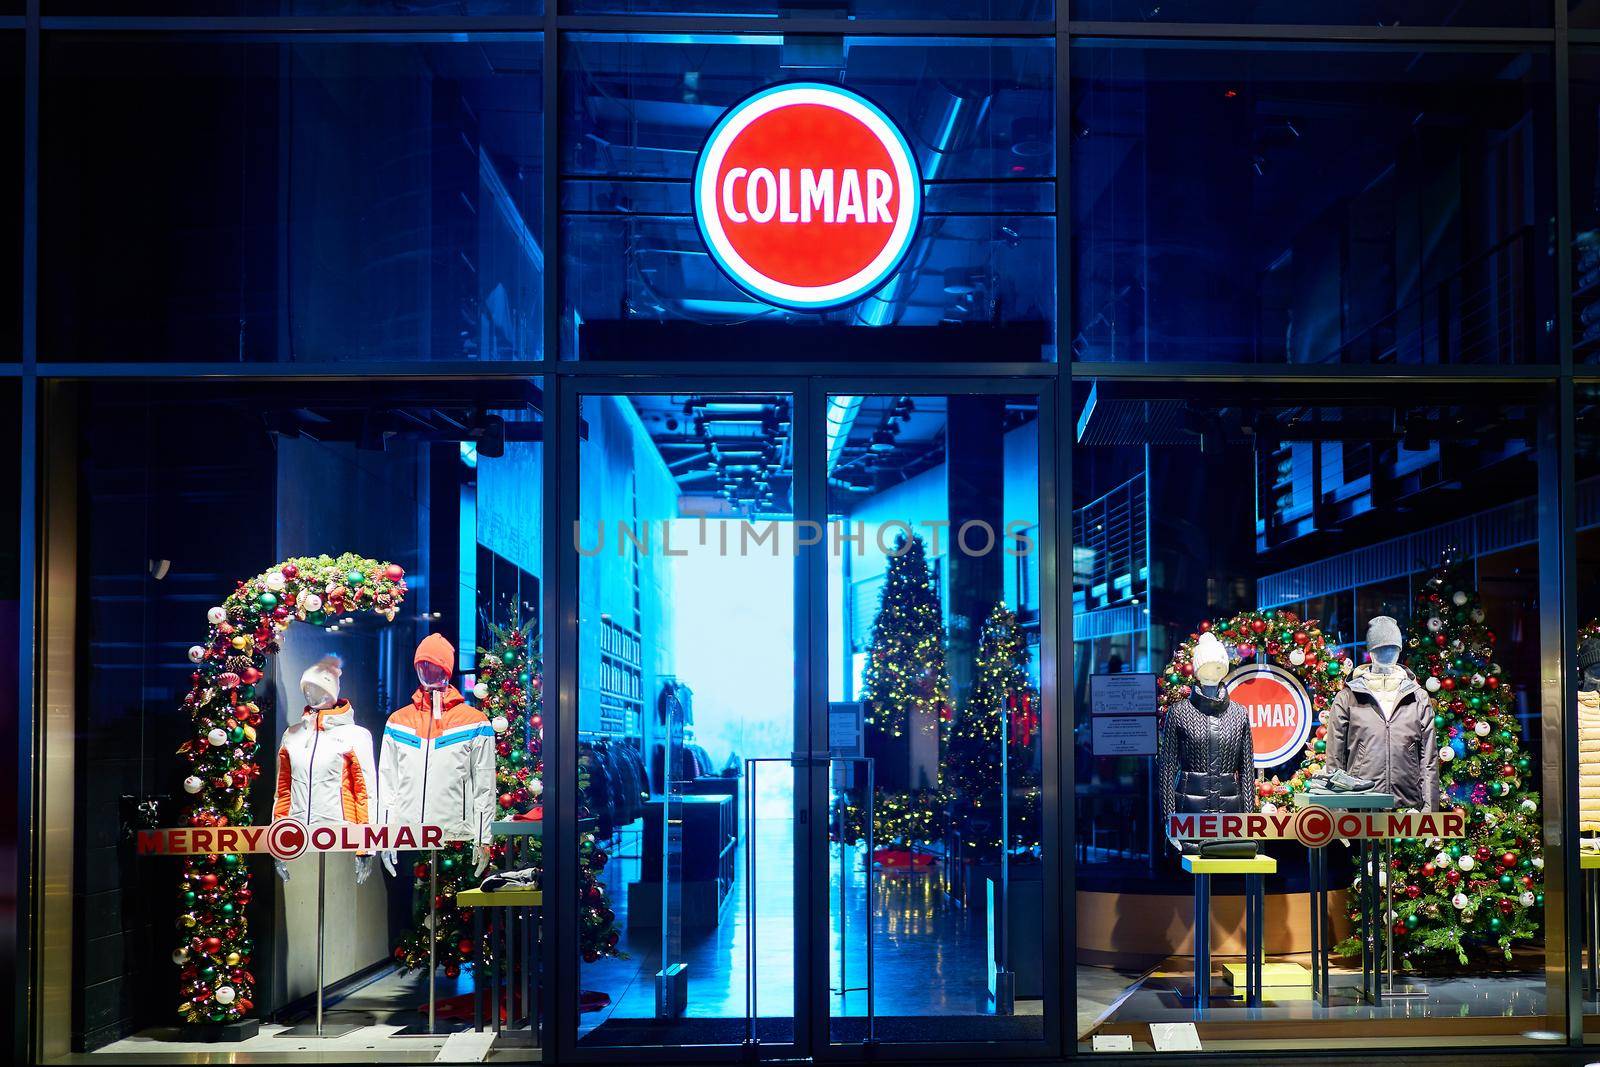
point(324, 674)
point(1209, 651)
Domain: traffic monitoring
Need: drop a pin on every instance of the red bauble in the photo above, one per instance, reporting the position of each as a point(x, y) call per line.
point(1301, 637)
point(1205, 625)
point(1508, 771)
point(1429, 870)
point(420, 870)
point(464, 946)
point(1508, 859)
point(1413, 891)
point(1447, 683)
point(212, 945)
point(452, 971)
point(290, 570)
point(395, 572)
point(1482, 853)
point(1453, 876)
point(1400, 928)
point(1507, 906)
point(1258, 626)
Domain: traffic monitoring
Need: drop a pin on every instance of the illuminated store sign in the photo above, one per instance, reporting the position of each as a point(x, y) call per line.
point(807, 196)
point(1315, 826)
point(1279, 707)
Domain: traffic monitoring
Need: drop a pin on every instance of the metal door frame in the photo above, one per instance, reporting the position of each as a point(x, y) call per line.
point(1056, 856)
point(561, 646)
point(811, 857)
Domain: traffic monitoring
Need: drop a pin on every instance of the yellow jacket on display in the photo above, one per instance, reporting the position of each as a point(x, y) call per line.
point(1589, 762)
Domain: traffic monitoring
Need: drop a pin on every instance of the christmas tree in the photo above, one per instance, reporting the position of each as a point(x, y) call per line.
point(509, 691)
point(1483, 891)
point(905, 684)
point(905, 688)
point(1001, 716)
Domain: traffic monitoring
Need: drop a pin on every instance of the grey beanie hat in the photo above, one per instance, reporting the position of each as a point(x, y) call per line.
point(1588, 653)
point(1383, 632)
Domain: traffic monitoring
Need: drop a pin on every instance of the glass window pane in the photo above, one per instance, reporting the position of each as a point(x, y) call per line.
point(822, 9)
point(1276, 522)
point(260, 8)
point(357, 514)
point(1306, 203)
point(978, 115)
point(1585, 96)
point(295, 200)
point(1323, 12)
point(11, 103)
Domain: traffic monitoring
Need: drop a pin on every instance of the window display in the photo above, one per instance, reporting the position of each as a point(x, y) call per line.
point(1306, 743)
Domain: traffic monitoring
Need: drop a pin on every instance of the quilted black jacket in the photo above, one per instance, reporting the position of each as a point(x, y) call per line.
point(1207, 763)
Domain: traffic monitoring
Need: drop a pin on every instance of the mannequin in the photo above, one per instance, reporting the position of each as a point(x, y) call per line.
point(1589, 743)
point(1207, 760)
point(325, 762)
point(436, 764)
point(1380, 726)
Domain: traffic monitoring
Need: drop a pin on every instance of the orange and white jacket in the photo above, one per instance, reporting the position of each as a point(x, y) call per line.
point(438, 769)
point(325, 769)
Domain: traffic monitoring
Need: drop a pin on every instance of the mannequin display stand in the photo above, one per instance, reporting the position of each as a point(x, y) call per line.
point(1377, 958)
point(1254, 869)
point(1589, 863)
point(431, 1027)
point(319, 1028)
point(512, 1000)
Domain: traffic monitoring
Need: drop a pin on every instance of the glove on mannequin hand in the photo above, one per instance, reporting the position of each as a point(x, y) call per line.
point(363, 869)
point(480, 860)
point(388, 861)
point(282, 868)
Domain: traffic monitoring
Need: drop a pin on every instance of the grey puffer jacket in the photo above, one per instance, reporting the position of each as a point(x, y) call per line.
point(1400, 753)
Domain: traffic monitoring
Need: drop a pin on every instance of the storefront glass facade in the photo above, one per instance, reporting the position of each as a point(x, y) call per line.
point(415, 429)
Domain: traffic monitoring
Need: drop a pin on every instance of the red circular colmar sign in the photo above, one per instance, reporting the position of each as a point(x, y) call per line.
point(1280, 710)
point(807, 196)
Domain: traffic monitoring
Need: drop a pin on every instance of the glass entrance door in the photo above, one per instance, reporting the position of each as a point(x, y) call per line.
point(687, 718)
point(938, 910)
point(812, 726)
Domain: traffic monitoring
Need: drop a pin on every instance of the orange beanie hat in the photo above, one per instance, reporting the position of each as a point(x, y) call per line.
point(436, 650)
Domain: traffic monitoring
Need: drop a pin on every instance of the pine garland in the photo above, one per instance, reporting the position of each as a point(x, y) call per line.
point(224, 702)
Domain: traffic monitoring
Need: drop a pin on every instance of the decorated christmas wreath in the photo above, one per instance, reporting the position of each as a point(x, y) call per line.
point(225, 701)
point(1282, 638)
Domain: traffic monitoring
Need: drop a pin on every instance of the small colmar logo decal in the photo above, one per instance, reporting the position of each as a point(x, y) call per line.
point(807, 196)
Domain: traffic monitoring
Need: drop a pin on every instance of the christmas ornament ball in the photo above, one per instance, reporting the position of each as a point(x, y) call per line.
point(217, 616)
point(193, 784)
point(217, 738)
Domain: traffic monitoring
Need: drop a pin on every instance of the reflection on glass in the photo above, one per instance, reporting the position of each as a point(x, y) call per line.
point(1281, 523)
point(686, 719)
point(298, 200)
point(935, 882)
point(1306, 203)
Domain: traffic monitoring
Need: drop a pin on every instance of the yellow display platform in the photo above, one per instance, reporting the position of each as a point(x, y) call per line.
point(1253, 865)
point(1588, 861)
point(1286, 981)
point(500, 898)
